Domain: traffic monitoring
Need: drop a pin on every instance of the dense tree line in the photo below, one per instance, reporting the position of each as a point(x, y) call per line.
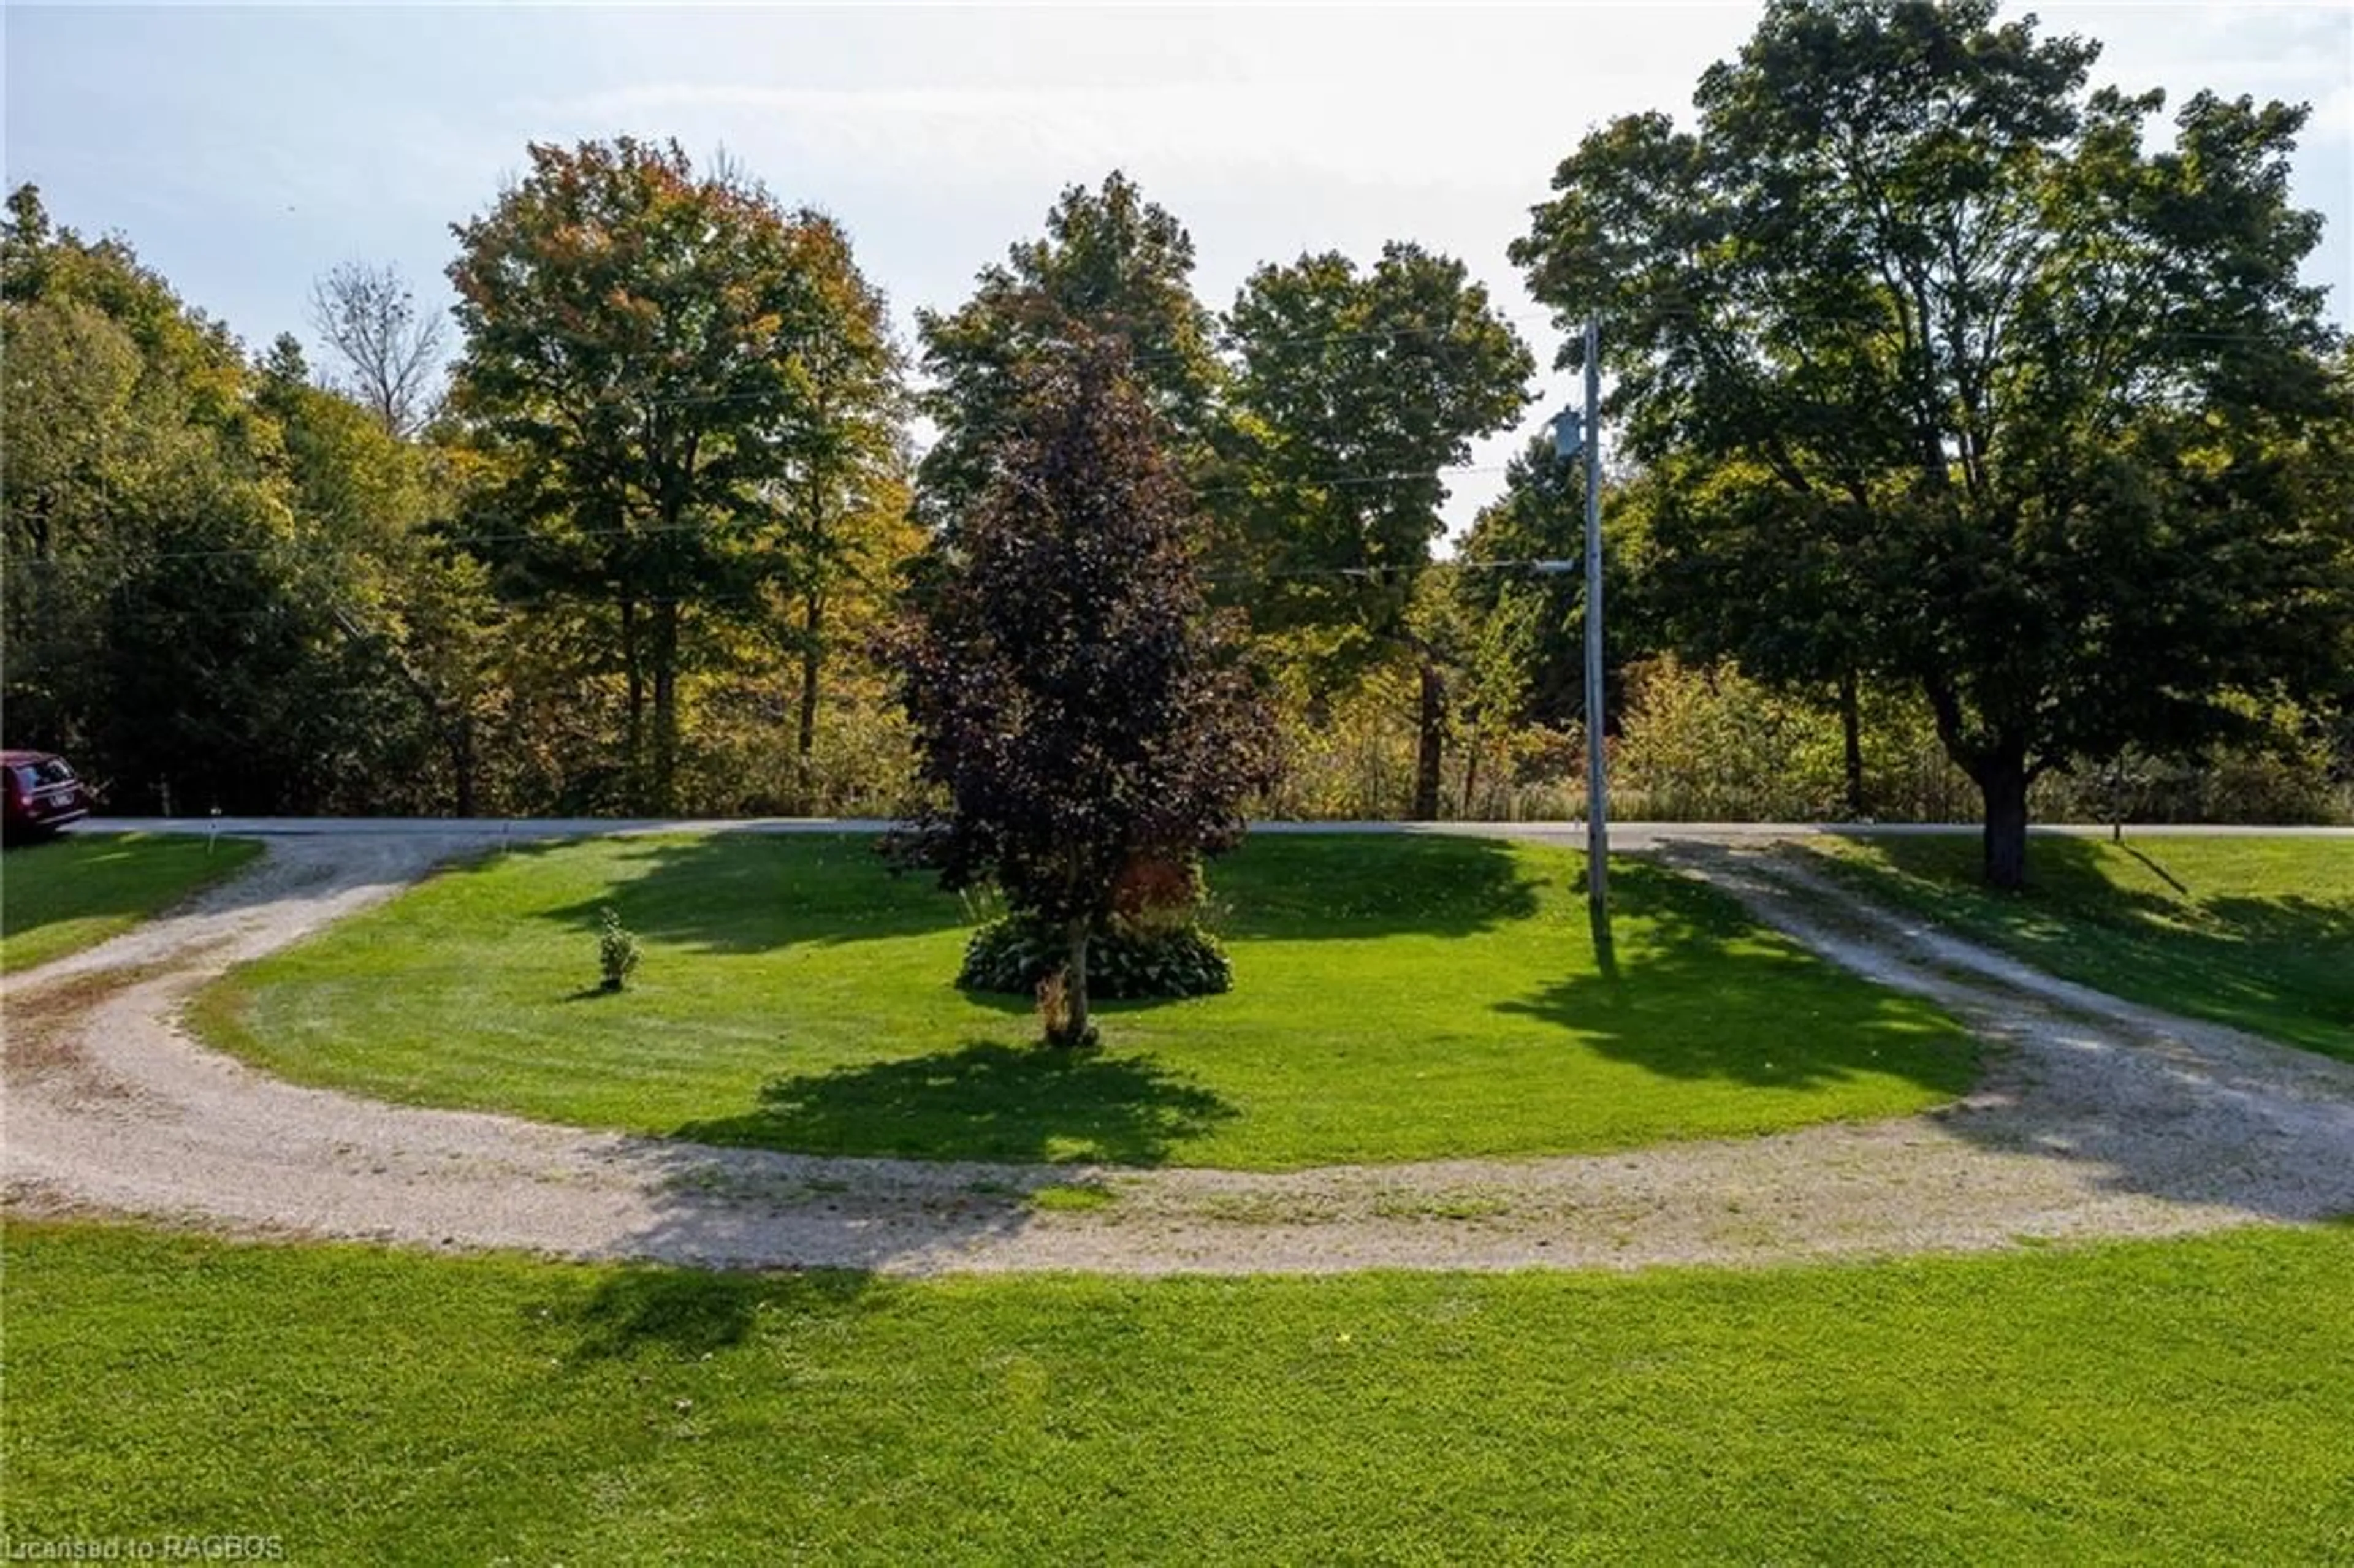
point(669, 475)
point(1962, 427)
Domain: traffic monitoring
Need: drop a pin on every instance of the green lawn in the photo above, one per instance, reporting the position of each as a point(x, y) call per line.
point(79, 889)
point(1396, 998)
point(2177, 1402)
point(2255, 932)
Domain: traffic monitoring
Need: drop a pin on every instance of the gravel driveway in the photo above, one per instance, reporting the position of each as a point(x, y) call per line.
point(2097, 1118)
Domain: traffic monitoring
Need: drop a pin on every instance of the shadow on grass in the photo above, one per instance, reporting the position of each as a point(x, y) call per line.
point(2157, 870)
point(2281, 966)
point(692, 1313)
point(1705, 995)
point(1603, 933)
point(734, 893)
point(2290, 920)
point(750, 892)
point(1351, 887)
point(82, 875)
point(984, 1101)
point(721, 1207)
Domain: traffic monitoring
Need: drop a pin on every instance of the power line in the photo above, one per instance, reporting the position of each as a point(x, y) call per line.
point(1219, 341)
point(1232, 342)
point(293, 606)
point(324, 549)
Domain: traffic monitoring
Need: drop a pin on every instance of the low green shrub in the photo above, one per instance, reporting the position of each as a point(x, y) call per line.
point(616, 950)
point(1012, 954)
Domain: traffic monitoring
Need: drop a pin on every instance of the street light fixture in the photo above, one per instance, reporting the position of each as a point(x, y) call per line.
point(1568, 429)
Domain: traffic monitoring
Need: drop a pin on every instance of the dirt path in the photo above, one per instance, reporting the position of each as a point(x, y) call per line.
point(2098, 1120)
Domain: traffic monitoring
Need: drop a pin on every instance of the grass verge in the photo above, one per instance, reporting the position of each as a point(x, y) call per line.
point(79, 889)
point(2180, 1401)
point(2253, 932)
point(1396, 998)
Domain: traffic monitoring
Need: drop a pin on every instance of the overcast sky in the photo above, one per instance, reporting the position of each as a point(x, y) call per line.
point(246, 150)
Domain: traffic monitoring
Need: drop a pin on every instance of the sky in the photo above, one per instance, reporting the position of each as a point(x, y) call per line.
point(244, 151)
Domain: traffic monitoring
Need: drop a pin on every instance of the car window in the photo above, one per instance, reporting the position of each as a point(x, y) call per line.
point(54, 771)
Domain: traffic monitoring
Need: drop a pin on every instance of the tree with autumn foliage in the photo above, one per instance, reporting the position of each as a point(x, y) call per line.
point(689, 385)
point(846, 505)
point(1075, 701)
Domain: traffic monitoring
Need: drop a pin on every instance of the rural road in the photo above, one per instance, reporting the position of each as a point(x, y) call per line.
point(2097, 1118)
point(1631, 836)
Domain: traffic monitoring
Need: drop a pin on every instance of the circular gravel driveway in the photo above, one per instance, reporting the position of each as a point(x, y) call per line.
point(2096, 1118)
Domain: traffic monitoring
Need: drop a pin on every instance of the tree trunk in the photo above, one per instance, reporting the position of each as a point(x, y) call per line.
point(1430, 753)
point(461, 762)
point(633, 736)
point(2002, 779)
point(1076, 1026)
point(664, 797)
point(805, 732)
point(1851, 728)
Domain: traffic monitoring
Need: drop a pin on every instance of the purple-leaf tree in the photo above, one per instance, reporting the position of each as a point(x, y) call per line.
point(1078, 706)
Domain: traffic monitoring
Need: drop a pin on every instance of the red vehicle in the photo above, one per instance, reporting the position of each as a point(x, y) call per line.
point(42, 794)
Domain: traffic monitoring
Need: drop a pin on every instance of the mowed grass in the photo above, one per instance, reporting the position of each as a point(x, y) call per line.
point(2253, 932)
point(2175, 1401)
point(77, 890)
point(1396, 997)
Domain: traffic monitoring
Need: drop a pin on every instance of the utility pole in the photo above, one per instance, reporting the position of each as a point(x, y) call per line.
point(1598, 833)
point(1572, 436)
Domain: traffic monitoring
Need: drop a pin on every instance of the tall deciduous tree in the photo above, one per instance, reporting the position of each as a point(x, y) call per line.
point(157, 622)
point(1073, 696)
point(391, 354)
point(366, 505)
point(1352, 392)
point(1541, 516)
point(847, 498)
point(2003, 386)
point(639, 338)
point(1111, 264)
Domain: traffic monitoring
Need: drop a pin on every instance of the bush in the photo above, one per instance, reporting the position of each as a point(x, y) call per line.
point(1705, 743)
point(2277, 784)
point(616, 950)
point(1130, 959)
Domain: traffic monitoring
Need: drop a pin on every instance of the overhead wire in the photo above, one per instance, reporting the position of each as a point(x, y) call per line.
point(324, 548)
point(1555, 319)
point(1336, 480)
point(287, 608)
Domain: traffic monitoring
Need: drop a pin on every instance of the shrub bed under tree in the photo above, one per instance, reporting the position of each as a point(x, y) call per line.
point(1127, 959)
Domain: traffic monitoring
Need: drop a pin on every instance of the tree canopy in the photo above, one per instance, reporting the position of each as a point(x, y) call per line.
point(1353, 391)
point(164, 613)
point(670, 361)
point(1984, 407)
point(1541, 516)
point(1111, 263)
point(1959, 378)
point(1075, 700)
